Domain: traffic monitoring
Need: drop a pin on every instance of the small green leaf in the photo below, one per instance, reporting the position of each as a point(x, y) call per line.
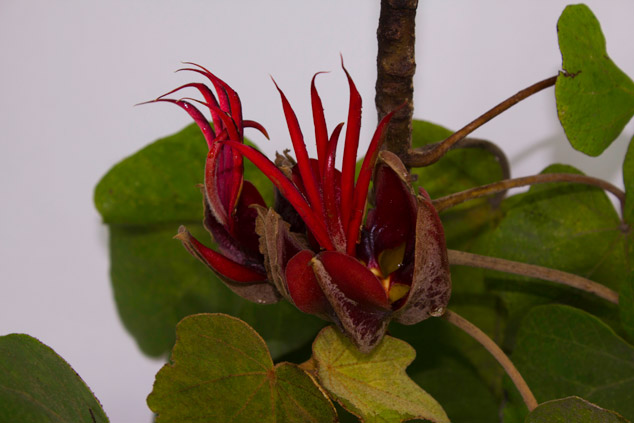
point(595, 99)
point(562, 351)
point(37, 385)
point(372, 386)
point(572, 410)
point(221, 371)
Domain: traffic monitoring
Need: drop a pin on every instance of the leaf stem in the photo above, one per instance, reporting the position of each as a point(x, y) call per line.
point(451, 200)
point(497, 353)
point(462, 258)
point(425, 158)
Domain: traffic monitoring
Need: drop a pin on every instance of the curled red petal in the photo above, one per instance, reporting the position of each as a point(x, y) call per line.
point(288, 190)
point(253, 124)
point(195, 114)
point(363, 182)
point(210, 98)
point(321, 130)
point(431, 279)
point(217, 262)
point(308, 177)
point(350, 151)
point(332, 201)
point(303, 286)
point(355, 280)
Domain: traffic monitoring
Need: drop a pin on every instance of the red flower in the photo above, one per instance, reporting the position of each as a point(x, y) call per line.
point(314, 247)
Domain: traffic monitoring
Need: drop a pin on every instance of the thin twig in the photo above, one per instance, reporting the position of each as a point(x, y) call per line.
point(451, 200)
point(497, 353)
point(419, 159)
point(462, 258)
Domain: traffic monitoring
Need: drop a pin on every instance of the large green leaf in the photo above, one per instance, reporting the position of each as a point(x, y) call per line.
point(628, 183)
point(221, 371)
point(569, 227)
point(595, 99)
point(155, 281)
point(572, 410)
point(37, 386)
point(562, 351)
point(373, 386)
point(626, 305)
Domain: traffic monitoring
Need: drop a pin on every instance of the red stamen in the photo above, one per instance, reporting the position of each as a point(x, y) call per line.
point(350, 150)
point(361, 190)
point(305, 169)
point(331, 205)
point(288, 190)
point(321, 130)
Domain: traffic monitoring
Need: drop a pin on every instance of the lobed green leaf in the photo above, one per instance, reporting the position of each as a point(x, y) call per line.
point(221, 371)
point(373, 386)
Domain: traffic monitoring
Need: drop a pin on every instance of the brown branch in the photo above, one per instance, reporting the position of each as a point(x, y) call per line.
point(451, 200)
point(395, 71)
point(462, 258)
point(497, 353)
point(419, 159)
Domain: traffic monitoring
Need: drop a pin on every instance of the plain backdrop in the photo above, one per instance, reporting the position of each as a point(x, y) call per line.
point(71, 71)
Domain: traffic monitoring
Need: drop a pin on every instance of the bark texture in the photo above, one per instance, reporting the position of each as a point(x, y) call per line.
point(396, 36)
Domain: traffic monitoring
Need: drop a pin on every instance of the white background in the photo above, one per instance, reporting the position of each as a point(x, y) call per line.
point(71, 71)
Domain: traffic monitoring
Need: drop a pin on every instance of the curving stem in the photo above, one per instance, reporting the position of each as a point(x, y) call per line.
point(462, 258)
point(497, 353)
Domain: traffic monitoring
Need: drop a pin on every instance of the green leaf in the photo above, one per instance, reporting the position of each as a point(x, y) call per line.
point(156, 282)
point(221, 371)
point(158, 184)
point(372, 386)
point(562, 351)
point(628, 183)
point(595, 99)
point(572, 410)
point(570, 227)
point(37, 385)
point(453, 368)
point(626, 305)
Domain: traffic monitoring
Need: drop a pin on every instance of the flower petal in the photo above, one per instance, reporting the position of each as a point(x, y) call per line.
point(243, 281)
point(305, 291)
point(321, 130)
point(363, 322)
point(431, 281)
point(278, 245)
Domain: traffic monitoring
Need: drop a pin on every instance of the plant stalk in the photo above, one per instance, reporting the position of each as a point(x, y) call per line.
point(433, 154)
point(462, 258)
point(451, 200)
point(497, 353)
point(396, 66)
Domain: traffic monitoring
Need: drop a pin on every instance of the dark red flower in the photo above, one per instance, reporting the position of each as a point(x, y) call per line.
point(317, 247)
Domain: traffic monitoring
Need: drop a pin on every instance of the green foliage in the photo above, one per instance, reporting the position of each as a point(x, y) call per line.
point(372, 386)
point(595, 99)
point(572, 410)
point(562, 351)
point(569, 227)
point(626, 305)
point(628, 182)
point(37, 385)
point(221, 371)
point(155, 281)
